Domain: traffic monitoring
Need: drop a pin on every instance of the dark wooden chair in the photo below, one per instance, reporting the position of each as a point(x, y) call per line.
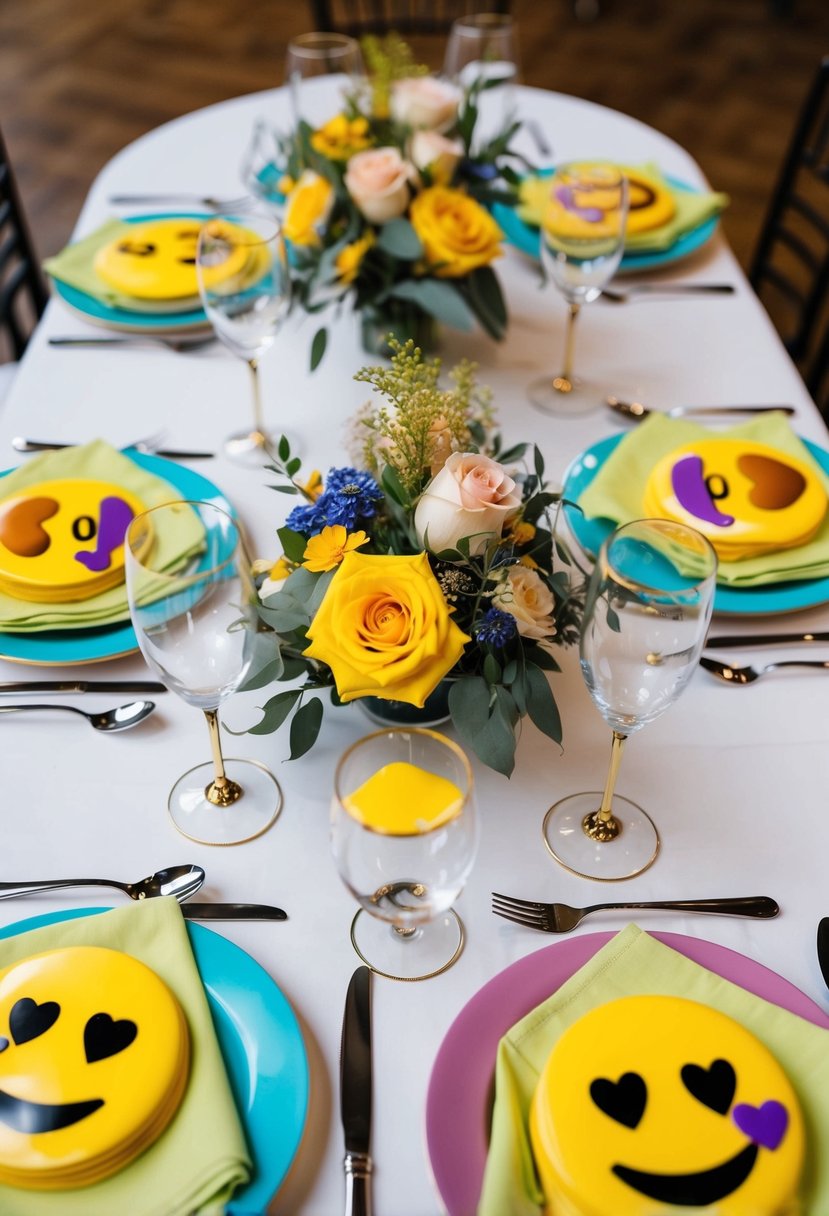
point(408, 17)
point(790, 268)
point(23, 291)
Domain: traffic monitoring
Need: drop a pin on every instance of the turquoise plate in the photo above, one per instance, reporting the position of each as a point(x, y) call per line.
point(124, 318)
point(732, 601)
point(525, 237)
point(64, 647)
point(262, 1048)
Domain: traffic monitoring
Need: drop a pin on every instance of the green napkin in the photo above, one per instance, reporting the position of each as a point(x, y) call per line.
point(617, 489)
point(98, 461)
point(635, 964)
point(201, 1157)
point(692, 209)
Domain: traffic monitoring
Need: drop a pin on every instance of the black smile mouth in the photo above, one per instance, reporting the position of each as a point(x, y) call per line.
point(32, 1118)
point(692, 1190)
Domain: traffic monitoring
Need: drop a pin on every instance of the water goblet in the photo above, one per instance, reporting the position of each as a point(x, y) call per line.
point(648, 606)
point(482, 50)
point(582, 243)
point(264, 166)
point(245, 289)
point(312, 61)
point(403, 835)
point(192, 601)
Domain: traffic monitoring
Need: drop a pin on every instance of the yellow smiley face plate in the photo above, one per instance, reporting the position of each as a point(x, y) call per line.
point(157, 260)
point(94, 1057)
point(62, 541)
point(654, 1105)
point(746, 498)
point(650, 203)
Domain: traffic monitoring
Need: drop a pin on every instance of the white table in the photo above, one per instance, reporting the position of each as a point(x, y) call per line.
point(735, 778)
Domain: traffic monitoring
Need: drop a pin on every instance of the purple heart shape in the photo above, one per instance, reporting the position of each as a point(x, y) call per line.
point(765, 1125)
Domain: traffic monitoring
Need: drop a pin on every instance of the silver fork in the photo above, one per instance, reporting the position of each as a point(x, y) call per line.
point(150, 443)
point(561, 918)
point(179, 345)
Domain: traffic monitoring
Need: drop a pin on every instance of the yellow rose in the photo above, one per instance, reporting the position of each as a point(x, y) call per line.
point(385, 629)
point(308, 207)
point(341, 137)
point(457, 233)
point(349, 260)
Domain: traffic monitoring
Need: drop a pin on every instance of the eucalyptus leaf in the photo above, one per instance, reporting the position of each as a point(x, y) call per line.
point(399, 239)
point(266, 662)
point(485, 722)
point(293, 544)
point(305, 727)
point(440, 299)
point(274, 713)
point(318, 346)
point(541, 704)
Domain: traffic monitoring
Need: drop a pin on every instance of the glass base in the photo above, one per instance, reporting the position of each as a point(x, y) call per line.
point(551, 397)
point(257, 448)
point(248, 817)
point(428, 951)
point(632, 851)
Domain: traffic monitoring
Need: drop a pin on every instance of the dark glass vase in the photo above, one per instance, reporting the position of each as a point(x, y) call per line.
point(400, 713)
point(401, 319)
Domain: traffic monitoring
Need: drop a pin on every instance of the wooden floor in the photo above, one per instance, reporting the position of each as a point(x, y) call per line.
point(80, 78)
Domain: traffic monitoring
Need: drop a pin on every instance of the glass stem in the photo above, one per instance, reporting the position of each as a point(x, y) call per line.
point(569, 342)
point(258, 421)
point(221, 791)
point(602, 825)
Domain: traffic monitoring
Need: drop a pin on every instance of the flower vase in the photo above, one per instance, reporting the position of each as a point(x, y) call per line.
point(403, 320)
point(433, 712)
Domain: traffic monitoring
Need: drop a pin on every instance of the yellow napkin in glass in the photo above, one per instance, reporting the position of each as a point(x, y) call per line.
point(98, 461)
point(617, 489)
point(201, 1158)
point(631, 964)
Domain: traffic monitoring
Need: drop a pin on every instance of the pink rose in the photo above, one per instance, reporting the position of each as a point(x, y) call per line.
point(429, 150)
point(526, 597)
point(470, 496)
point(378, 182)
point(423, 101)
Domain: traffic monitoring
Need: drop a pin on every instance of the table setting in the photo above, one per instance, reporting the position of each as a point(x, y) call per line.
point(424, 607)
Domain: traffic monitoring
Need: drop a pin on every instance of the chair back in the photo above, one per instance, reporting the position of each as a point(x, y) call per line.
point(790, 269)
point(357, 17)
point(23, 292)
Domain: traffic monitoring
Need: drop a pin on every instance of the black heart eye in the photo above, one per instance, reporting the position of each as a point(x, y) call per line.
point(28, 1020)
point(623, 1100)
point(103, 1037)
point(3, 1043)
point(714, 1086)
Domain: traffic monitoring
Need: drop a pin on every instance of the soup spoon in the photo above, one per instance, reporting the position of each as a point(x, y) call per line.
point(181, 881)
point(122, 717)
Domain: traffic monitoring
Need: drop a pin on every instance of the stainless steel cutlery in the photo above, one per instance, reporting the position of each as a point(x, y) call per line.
point(561, 918)
point(643, 291)
point(109, 721)
point(140, 445)
point(200, 911)
point(181, 881)
point(208, 201)
point(747, 674)
point(355, 1093)
point(81, 686)
point(733, 641)
point(179, 345)
point(636, 410)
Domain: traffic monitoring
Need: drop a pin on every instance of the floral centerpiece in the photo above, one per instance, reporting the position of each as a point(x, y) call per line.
point(431, 557)
point(386, 205)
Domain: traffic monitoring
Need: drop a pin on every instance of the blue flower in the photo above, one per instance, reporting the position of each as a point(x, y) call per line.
point(306, 519)
point(496, 628)
point(350, 496)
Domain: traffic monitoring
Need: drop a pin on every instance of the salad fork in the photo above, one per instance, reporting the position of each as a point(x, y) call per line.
point(561, 918)
point(730, 674)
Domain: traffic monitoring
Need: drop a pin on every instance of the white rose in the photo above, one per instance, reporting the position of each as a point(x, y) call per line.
point(378, 182)
point(423, 101)
point(429, 150)
point(527, 598)
point(470, 496)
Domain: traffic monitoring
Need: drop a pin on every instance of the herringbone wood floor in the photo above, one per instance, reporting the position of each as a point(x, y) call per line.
point(80, 78)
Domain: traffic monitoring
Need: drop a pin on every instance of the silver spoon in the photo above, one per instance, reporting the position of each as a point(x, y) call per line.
point(122, 717)
point(181, 881)
point(637, 411)
point(748, 674)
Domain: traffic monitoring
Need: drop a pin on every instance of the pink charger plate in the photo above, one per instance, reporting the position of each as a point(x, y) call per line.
point(460, 1088)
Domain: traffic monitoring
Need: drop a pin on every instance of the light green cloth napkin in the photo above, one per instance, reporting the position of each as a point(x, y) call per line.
point(617, 489)
point(98, 461)
point(201, 1157)
point(692, 209)
point(635, 964)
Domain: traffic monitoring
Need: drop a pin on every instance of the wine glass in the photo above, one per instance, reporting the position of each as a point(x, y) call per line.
point(648, 606)
point(195, 619)
point(582, 243)
point(483, 47)
point(264, 166)
point(310, 62)
point(245, 289)
point(403, 835)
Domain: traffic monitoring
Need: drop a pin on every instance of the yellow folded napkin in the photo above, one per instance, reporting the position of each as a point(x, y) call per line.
point(616, 492)
point(633, 963)
point(96, 461)
point(201, 1158)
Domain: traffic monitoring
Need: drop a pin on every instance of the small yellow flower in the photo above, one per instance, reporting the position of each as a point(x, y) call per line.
point(308, 207)
point(341, 137)
point(329, 547)
point(350, 259)
point(529, 562)
point(285, 184)
point(521, 533)
point(280, 570)
point(313, 486)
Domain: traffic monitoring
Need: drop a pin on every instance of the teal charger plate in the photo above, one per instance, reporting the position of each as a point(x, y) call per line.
point(263, 1051)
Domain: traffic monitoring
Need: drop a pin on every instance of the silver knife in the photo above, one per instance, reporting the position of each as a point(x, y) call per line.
point(39, 445)
point(196, 911)
point(730, 641)
point(355, 1093)
point(80, 686)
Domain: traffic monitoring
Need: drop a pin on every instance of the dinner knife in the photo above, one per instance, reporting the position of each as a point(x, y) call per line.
point(80, 686)
point(729, 641)
point(823, 949)
point(355, 1093)
point(197, 911)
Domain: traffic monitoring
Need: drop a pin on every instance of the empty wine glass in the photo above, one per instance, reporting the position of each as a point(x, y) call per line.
point(264, 166)
point(245, 288)
point(582, 243)
point(403, 835)
point(311, 63)
point(195, 619)
point(483, 49)
point(648, 606)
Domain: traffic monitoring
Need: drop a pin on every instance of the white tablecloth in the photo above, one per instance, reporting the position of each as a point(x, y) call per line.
point(735, 778)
